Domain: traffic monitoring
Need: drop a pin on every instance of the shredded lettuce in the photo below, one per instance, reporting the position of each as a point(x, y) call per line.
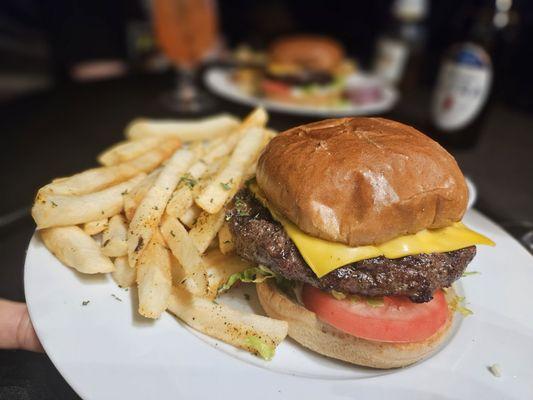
point(457, 304)
point(257, 275)
point(343, 103)
point(469, 273)
point(338, 295)
point(263, 349)
point(371, 301)
point(375, 301)
point(354, 298)
point(338, 82)
point(254, 275)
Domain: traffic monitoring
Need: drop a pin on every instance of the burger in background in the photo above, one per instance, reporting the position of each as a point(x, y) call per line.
point(359, 222)
point(307, 70)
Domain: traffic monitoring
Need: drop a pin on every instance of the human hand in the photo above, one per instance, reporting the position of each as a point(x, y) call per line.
point(16, 330)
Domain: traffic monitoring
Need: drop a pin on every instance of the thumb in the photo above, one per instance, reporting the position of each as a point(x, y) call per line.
point(16, 330)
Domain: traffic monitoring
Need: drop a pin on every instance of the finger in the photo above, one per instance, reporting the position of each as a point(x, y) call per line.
point(16, 330)
point(26, 337)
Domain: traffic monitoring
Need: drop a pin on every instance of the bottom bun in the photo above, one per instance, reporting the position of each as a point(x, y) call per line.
point(316, 335)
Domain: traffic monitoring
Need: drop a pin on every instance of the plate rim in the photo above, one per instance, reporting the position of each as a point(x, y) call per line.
point(212, 74)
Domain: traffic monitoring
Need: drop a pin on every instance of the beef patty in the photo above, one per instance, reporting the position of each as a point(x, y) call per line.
point(303, 78)
point(261, 239)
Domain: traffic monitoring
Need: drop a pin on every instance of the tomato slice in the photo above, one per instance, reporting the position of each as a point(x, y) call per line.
point(275, 88)
point(397, 320)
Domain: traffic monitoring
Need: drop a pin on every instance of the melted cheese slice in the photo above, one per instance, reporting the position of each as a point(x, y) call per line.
point(324, 256)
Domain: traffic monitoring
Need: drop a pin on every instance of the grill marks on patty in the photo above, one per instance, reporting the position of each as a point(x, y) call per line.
point(260, 239)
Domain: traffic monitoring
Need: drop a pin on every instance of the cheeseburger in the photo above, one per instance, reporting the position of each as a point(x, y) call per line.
point(359, 220)
point(300, 69)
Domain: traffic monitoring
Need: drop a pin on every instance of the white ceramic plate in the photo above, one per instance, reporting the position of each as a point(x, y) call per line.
point(472, 192)
point(218, 80)
point(106, 351)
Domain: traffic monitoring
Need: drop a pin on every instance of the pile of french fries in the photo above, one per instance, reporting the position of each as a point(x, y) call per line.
point(153, 215)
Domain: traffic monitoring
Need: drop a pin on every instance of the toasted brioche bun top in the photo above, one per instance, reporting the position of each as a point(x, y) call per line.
point(307, 51)
point(361, 181)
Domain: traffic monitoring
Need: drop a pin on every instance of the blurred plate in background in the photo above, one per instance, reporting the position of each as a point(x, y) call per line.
point(219, 81)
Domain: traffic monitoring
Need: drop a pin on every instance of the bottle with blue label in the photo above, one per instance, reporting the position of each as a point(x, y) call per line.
point(462, 90)
point(461, 95)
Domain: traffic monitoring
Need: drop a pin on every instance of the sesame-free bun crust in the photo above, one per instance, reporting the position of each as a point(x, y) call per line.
point(315, 52)
point(361, 181)
point(318, 336)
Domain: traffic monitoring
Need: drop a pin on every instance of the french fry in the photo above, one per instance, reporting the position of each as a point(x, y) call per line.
point(258, 118)
point(220, 148)
point(224, 323)
point(114, 237)
point(217, 192)
point(57, 180)
point(219, 268)
point(211, 170)
point(76, 249)
point(148, 214)
point(205, 229)
point(95, 227)
point(123, 275)
point(190, 215)
point(148, 245)
point(125, 151)
point(250, 171)
point(99, 178)
point(210, 163)
point(182, 247)
point(154, 278)
point(207, 128)
point(61, 210)
point(178, 274)
point(225, 240)
point(270, 134)
point(182, 198)
point(133, 198)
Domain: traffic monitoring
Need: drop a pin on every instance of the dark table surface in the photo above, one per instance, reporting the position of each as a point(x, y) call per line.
point(60, 132)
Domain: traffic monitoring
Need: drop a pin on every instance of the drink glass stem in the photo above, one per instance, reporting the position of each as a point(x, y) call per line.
point(186, 91)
